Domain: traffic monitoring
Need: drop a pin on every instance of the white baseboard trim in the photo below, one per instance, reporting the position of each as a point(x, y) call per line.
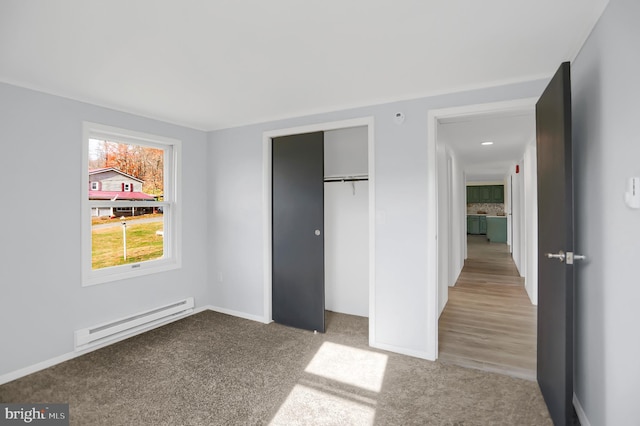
point(582, 416)
point(14, 375)
point(383, 346)
point(200, 309)
point(239, 314)
point(403, 351)
point(22, 372)
point(17, 374)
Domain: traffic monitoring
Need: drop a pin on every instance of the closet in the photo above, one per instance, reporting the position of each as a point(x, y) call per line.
point(320, 226)
point(346, 221)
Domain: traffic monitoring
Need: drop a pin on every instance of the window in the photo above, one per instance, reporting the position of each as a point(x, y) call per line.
point(130, 215)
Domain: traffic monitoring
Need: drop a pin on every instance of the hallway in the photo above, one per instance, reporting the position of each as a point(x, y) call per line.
point(489, 322)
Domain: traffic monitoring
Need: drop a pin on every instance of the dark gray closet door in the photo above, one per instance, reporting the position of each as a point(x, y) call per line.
point(298, 231)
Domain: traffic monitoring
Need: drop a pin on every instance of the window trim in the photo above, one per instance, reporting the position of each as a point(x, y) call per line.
point(171, 204)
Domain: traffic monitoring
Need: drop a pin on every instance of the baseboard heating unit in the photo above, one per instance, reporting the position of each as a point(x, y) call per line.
point(131, 325)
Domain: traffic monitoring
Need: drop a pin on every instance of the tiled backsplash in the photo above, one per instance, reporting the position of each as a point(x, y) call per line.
point(492, 209)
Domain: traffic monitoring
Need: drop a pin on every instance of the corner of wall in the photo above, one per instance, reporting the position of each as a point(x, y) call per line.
point(582, 416)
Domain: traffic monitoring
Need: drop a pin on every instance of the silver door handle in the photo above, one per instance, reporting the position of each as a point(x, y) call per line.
point(317, 232)
point(571, 257)
point(560, 256)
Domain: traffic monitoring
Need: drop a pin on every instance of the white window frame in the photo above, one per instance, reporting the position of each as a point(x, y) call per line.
point(95, 186)
point(171, 205)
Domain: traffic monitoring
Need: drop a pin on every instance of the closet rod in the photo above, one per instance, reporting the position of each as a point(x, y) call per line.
point(346, 179)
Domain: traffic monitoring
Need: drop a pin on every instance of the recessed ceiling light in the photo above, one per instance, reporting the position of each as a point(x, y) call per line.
point(487, 143)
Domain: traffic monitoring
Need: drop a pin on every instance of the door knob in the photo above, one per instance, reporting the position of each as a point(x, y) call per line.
point(560, 256)
point(317, 232)
point(571, 257)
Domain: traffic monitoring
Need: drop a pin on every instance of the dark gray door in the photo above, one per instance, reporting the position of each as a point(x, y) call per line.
point(555, 239)
point(298, 231)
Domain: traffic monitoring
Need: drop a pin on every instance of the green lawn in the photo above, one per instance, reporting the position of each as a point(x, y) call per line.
point(142, 244)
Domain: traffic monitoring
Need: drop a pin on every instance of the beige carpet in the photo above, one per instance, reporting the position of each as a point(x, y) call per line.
point(213, 369)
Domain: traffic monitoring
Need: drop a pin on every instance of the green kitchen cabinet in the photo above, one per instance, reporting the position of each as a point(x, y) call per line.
point(472, 194)
point(476, 225)
point(483, 225)
point(473, 225)
point(497, 229)
point(485, 194)
point(497, 193)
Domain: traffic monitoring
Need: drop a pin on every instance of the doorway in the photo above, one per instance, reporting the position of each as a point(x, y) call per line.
point(268, 137)
point(489, 322)
point(457, 240)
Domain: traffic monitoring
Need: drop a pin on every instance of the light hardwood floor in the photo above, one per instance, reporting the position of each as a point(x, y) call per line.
point(489, 322)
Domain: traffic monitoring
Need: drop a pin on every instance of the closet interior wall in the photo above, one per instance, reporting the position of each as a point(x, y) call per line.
point(346, 221)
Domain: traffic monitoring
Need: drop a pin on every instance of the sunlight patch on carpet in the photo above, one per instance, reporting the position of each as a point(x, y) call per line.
point(355, 367)
point(305, 406)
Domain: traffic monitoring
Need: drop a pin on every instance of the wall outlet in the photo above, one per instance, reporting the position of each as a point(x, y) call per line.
point(632, 196)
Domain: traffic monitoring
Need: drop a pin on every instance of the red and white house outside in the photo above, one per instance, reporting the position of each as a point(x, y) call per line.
point(111, 184)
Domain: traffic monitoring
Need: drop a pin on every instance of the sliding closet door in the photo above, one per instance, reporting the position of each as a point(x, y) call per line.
point(298, 231)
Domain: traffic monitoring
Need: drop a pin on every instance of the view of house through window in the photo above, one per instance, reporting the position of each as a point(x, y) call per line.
point(130, 199)
point(126, 174)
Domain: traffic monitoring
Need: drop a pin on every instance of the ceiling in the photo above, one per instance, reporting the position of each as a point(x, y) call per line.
point(510, 132)
point(211, 64)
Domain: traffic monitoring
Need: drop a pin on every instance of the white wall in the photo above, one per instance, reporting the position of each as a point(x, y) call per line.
point(42, 301)
point(401, 300)
point(516, 190)
point(346, 247)
point(529, 171)
point(234, 199)
point(508, 211)
point(345, 152)
point(444, 225)
point(606, 104)
point(451, 222)
point(458, 219)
